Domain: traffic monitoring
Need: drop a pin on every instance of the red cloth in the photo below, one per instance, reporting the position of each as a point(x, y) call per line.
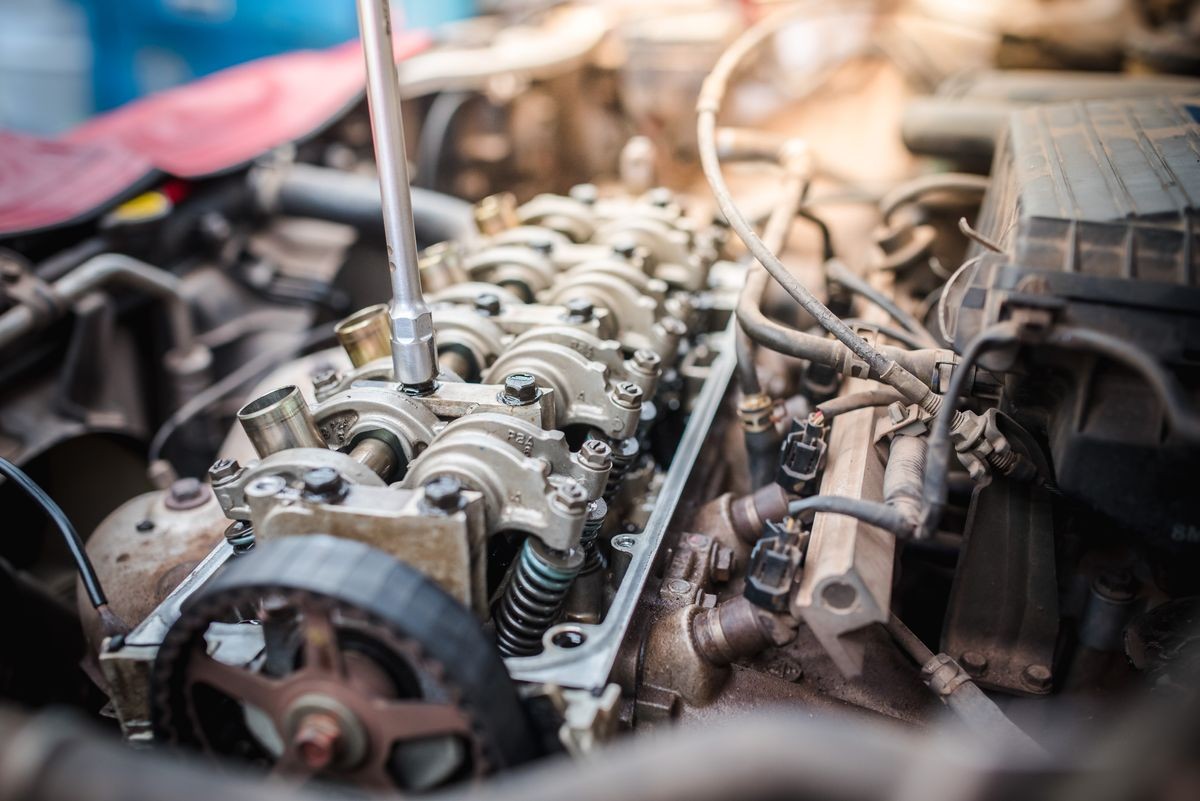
point(211, 126)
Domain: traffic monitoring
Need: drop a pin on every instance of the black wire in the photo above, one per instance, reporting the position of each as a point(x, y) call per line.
point(937, 465)
point(91, 582)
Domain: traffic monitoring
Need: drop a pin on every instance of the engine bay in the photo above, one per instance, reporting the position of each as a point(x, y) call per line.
point(676, 403)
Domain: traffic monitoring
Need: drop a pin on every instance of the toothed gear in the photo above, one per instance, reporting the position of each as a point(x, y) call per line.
point(318, 656)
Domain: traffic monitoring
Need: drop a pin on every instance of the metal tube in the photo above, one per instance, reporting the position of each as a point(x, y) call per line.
point(414, 353)
point(280, 420)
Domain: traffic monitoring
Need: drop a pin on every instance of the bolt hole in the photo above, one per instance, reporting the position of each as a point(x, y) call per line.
point(839, 596)
point(569, 638)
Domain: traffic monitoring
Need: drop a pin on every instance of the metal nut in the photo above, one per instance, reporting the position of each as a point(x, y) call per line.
point(487, 303)
point(324, 377)
point(585, 193)
point(186, 493)
point(647, 361)
point(627, 394)
point(223, 470)
point(580, 310)
point(571, 496)
point(520, 389)
point(443, 493)
point(324, 484)
point(596, 454)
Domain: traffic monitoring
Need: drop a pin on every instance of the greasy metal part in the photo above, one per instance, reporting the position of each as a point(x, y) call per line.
point(366, 411)
point(366, 335)
point(529, 480)
point(588, 662)
point(143, 550)
point(414, 350)
point(736, 629)
point(537, 588)
point(280, 420)
point(1002, 623)
point(847, 580)
point(286, 468)
point(446, 547)
point(592, 384)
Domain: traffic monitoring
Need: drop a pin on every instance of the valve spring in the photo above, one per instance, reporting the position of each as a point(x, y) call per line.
point(624, 455)
point(589, 540)
point(540, 581)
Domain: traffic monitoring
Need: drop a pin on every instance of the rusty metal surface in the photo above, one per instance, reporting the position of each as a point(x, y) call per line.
point(143, 550)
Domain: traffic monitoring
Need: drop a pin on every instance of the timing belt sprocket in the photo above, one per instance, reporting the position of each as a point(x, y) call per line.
point(318, 656)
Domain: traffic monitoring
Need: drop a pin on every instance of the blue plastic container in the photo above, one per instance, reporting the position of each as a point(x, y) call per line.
point(141, 46)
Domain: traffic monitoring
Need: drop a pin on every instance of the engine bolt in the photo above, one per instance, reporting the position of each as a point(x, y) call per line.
point(627, 394)
point(647, 361)
point(186, 493)
point(974, 662)
point(487, 303)
point(543, 246)
point(324, 484)
point(572, 496)
point(222, 470)
point(596, 454)
point(324, 378)
point(1037, 676)
point(316, 740)
point(520, 389)
point(626, 248)
point(661, 197)
point(580, 310)
point(443, 493)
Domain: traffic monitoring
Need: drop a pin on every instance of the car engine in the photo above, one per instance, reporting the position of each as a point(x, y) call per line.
point(691, 401)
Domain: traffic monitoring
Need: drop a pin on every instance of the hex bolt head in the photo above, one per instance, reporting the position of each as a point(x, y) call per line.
point(443, 493)
point(596, 454)
point(580, 310)
point(627, 394)
point(974, 662)
point(324, 377)
point(520, 389)
point(647, 361)
point(487, 303)
point(723, 564)
point(571, 496)
point(222, 470)
point(323, 483)
point(186, 493)
point(316, 740)
point(1037, 676)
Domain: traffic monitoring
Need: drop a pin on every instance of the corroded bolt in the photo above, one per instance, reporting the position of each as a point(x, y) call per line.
point(596, 454)
point(443, 493)
point(222, 470)
point(572, 496)
point(627, 394)
point(185, 493)
point(646, 361)
point(973, 662)
point(316, 740)
point(1037, 676)
point(487, 303)
point(520, 389)
point(323, 484)
point(580, 310)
